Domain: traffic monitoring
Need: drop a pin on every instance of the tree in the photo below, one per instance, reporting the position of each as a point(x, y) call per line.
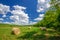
point(52, 16)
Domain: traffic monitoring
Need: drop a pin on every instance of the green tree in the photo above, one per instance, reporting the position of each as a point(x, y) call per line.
point(52, 16)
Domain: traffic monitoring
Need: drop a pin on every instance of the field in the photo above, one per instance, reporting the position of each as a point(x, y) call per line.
point(35, 33)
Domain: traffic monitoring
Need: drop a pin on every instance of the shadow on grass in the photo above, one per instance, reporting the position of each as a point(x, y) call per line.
point(33, 36)
point(54, 38)
point(27, 35)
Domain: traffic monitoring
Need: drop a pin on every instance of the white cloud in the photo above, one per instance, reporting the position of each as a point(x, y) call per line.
point(4, 15)
point(4, 9)
point(14, 17)
point(41, 1)
point(47, 5)
point(19, 16)
point(40, 9)
point(40, 17)
point(1, 19)
point(42, 5)
point(17, 7)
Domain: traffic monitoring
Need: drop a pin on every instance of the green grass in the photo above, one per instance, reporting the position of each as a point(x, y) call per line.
point(35, 33)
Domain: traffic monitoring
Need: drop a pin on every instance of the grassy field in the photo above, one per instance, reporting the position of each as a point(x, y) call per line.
point(35, 33)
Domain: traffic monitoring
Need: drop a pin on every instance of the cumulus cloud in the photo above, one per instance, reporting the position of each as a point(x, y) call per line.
point(19, 16)
point(1, 19)
point(14, 17)
point(4, 9)
point(40, 9)
point(4, 15)
point(40, 17)
point(42, 5)
point(41, 1)
point(17, 7)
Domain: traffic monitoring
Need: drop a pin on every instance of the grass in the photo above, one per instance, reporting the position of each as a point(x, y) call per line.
point(35, 33)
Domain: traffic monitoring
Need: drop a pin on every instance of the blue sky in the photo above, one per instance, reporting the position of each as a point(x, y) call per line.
point(22, 11)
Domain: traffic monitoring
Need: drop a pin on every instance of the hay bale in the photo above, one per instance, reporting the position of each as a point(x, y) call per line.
point(15, 31)
point(43, 28)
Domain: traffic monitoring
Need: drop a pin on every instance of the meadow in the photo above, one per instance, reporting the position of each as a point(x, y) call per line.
point(34, 33)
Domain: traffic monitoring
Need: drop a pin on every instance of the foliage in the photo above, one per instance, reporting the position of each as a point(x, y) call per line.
point(52, 16)
point(35, 33)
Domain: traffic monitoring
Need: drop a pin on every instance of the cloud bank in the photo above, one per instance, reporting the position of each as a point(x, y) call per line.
point(19, 16)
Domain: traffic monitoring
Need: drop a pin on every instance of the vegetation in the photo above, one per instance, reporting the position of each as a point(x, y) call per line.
point(52, 16)
point(46, 29)
point(34, 33)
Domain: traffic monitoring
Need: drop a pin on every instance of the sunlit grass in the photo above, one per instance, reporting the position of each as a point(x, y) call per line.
point(34, 33)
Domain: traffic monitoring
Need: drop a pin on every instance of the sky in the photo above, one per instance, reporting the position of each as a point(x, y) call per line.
point(22, 12)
